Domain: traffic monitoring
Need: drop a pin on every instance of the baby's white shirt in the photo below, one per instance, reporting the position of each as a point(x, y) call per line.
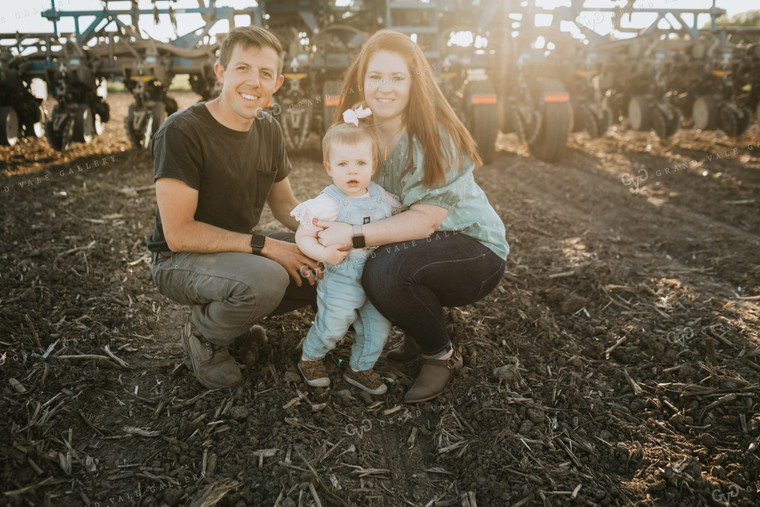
point(324, 207)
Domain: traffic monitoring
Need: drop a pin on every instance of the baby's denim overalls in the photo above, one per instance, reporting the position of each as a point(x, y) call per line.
point(340, 297)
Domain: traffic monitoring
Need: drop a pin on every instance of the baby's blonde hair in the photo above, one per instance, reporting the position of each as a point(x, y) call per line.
point(351, 135)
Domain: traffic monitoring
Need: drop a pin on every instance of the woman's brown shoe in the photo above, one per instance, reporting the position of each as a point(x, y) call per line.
point(407, 350)
point(431, 381)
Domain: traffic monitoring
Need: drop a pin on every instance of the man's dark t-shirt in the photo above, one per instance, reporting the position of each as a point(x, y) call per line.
point(233, 171)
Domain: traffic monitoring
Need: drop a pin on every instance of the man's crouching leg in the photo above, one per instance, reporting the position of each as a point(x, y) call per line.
point(228, 293)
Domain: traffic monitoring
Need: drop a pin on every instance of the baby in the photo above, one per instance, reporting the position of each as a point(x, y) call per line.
point(350, 154)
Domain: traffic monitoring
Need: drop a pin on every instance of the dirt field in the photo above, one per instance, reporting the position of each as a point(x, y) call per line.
point(616, 364)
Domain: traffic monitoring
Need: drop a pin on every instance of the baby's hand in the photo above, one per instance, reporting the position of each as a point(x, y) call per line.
point(333, 254)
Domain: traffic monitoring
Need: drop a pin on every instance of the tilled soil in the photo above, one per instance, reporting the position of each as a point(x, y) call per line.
point(616, 363)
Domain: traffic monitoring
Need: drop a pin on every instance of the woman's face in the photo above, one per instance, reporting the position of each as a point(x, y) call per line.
point(387, 85)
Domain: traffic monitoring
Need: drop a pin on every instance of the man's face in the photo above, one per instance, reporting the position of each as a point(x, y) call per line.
point(248, 82)
point(351, 167)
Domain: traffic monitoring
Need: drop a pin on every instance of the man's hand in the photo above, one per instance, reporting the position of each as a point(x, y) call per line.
point(334, 254)
point(290, 257)
point(335, 233)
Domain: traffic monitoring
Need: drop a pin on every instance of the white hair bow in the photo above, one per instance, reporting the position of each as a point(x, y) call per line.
point(353, 115)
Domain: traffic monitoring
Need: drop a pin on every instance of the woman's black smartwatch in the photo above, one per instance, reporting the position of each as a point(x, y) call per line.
point(257, 243)
point(358, 238)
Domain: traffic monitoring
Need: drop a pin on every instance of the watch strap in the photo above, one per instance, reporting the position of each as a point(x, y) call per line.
point(257, 243)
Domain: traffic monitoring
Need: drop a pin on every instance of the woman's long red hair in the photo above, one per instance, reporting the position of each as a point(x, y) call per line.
point(427, 106)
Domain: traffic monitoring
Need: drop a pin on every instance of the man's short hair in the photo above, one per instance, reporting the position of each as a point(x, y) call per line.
point(249, 36)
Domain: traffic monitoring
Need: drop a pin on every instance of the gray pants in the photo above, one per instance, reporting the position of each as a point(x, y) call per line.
point(229, 292)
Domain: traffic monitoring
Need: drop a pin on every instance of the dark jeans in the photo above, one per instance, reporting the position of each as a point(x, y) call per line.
point(410, 283)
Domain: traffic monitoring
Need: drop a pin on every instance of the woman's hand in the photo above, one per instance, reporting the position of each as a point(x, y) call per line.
point(335, 233)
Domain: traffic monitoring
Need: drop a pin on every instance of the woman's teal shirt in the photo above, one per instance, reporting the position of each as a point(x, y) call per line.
point(469, 211)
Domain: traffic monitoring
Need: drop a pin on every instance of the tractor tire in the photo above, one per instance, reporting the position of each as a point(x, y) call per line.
point(551, 140)
point(605, 121)
point(659, 122)
point(482, 121)
point(674, 122)
point(158, 113)
point(135, 137)
point(744, 120)
point(511, 121)
point(588, 121)
point(104, 111)
point(705, 113)
point(330, 92)
point(97, 125)
point(84, 124)
point(8, 126)
point(640, 113)
point(62, 138)
point(575, 117)
point(171, 106)
point(729, 120)
point(35, 125)
point(157, 117)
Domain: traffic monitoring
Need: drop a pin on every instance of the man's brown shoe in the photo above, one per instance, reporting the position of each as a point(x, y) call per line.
point(434, 375)
point(314, 373)
point(407, 350)
point(368, 381)
point(212, 364)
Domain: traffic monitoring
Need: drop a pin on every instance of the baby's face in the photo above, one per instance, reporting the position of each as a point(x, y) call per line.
point(351, 167)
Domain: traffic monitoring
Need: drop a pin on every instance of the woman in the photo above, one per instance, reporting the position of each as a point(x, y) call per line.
point(448, 248)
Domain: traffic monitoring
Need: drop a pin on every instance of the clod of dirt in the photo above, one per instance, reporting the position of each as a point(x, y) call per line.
point(345, 396)
point(573, 303)
point(507, 373)
point(239, 412)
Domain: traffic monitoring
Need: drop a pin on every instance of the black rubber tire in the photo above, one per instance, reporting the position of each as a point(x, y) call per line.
point(744, 120)
point(589, 122)
point(482, 120)
point(97, 125)
point(640, 113)
point(605, 121)
point(35, 124)
point(84, 124)
point(159, 115)
point(330, 90)
point(61, 139)
point(9, 128)
point(674, 123)
point(575, 116)
point(104, 110)
point(135, 138)
point(171, 106)
point(659, 123)
point(551, 142)
point(512, 121)
point(729, 121)
point(705, 112)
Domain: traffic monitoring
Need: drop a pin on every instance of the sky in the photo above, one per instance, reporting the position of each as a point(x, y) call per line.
point(25, 15)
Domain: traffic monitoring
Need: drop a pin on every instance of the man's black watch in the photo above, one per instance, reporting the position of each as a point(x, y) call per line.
point(358, 238)
point(257, 243)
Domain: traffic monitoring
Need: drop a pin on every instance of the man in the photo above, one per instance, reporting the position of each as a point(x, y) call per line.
point(215, 165)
